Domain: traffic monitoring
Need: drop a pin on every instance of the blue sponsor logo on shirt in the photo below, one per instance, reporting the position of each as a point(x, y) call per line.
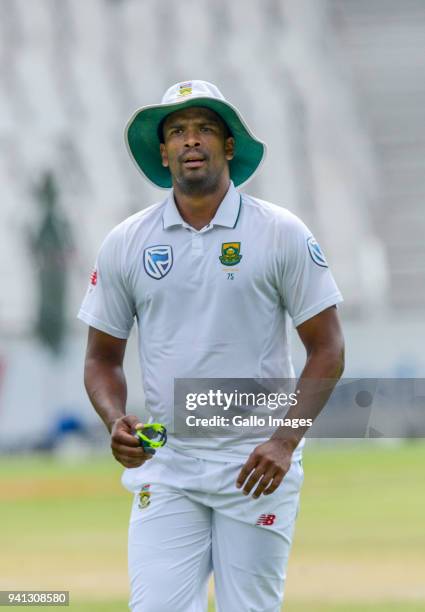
point(158, 260)
point(316, 252)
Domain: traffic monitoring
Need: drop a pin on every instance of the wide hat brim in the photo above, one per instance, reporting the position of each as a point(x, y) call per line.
point(142, 141)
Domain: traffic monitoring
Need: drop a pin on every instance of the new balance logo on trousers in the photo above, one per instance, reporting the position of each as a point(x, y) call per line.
point(266, 519)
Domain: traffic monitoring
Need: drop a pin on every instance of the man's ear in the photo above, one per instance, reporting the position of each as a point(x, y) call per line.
point(229, 148)
point(164, 155)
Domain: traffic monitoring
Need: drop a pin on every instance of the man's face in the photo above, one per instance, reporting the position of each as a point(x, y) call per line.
point(196, 149)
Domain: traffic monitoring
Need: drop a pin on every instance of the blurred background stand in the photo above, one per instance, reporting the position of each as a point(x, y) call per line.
point(51, 245)
point(334, 87)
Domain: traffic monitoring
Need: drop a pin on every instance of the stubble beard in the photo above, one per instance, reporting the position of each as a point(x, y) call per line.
point(200, 185)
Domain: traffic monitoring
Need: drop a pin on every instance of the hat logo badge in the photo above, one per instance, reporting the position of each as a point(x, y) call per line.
point(185, 89)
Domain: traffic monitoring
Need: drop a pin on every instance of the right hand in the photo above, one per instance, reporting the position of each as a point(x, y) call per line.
point(125, 446)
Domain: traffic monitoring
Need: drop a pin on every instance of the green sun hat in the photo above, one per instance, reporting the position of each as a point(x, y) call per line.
point(142, 140)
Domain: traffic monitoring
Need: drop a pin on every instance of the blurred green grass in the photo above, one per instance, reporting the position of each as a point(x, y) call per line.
point(358, 545)
point(302, 607)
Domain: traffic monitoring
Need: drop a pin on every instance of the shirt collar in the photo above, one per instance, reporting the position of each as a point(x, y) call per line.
point(227, 213)
point(171, 215)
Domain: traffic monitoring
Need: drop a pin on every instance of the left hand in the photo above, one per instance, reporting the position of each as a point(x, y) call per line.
point(267, 464)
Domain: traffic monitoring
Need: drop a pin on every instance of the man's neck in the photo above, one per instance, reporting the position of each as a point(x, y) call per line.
point(199, 210)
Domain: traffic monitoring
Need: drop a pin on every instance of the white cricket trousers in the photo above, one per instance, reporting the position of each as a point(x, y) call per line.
point(188, 519)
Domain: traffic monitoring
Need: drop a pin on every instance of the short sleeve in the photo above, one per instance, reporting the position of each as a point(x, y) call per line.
point(108, 305)
point(306, 283)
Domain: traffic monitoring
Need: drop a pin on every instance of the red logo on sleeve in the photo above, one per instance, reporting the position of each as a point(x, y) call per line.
point(266, 519)
point(93, 277)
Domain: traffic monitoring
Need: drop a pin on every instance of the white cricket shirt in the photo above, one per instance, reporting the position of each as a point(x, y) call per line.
point(212, 303)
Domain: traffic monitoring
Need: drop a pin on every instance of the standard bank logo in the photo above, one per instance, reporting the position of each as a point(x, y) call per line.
point(158, 260)
point(316, 253)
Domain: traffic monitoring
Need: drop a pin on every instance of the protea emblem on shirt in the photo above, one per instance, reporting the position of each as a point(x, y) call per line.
point(230, 253)
point(158, 260)
point(144, 497)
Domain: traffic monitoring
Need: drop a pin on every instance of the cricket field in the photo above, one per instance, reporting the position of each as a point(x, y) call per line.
point(359, 542)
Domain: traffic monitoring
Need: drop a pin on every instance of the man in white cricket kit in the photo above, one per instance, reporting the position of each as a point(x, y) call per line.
point(212, 276)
